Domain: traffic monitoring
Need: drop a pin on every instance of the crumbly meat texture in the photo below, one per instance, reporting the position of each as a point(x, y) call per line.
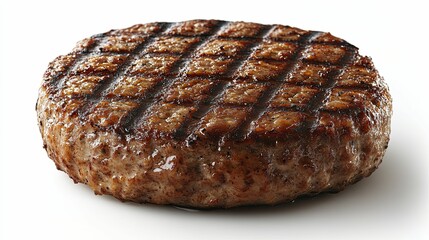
point(208, 113)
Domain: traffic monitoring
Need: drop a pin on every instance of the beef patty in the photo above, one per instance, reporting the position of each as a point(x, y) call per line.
point(208, 113)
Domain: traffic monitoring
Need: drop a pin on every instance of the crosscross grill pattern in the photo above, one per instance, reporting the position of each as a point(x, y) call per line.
point(210, 79)
point(208, 113)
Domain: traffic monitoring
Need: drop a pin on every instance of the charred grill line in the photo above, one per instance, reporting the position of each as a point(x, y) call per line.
point(243, 38)
point(188, 127)
point(245, 53)
point(315, 104)
point(57, 82)
point(241, 56)
point(97, 94)
point(202, 109)
point(261, 105)
point(148, 101)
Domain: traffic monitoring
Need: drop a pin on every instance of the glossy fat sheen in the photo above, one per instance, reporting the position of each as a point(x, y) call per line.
point(198, 116)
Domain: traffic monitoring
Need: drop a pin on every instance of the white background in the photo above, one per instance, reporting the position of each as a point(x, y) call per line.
point(39, 202)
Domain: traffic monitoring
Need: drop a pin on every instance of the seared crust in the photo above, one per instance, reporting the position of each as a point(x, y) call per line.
point(207, 113)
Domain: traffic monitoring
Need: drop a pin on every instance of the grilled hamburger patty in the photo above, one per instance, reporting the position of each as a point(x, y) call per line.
point(209, 113)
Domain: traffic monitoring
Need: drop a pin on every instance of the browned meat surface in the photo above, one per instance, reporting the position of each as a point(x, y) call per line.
point(209, 113)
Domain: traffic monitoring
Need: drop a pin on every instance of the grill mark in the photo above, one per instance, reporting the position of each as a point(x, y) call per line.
point(191, 104)
point(202, 109)
point(315, 104)
point(222, 81)
point(97, 94)
point(363, 86)
point(353, 111)
point(57, 82)
point(261, 105)
point(284, 109)
point(104, 73)
point(247, 38)
point(189, 126)
point(149, 101)
point(226, 79)
point(241, 55)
